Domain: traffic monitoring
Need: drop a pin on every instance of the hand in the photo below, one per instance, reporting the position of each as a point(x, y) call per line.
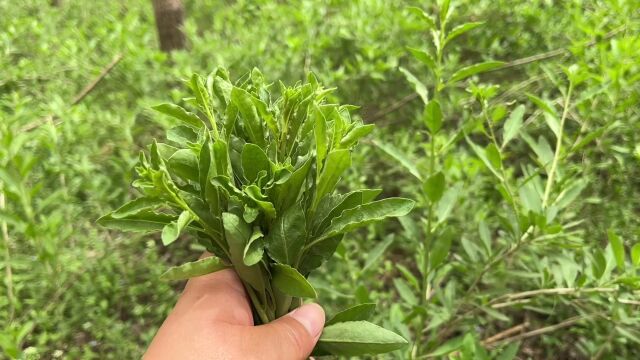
point(212, 320)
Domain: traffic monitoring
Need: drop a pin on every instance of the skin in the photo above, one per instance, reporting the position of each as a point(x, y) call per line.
point(212, 320)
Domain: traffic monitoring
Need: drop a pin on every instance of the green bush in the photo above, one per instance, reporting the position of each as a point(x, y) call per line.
point(497, 242)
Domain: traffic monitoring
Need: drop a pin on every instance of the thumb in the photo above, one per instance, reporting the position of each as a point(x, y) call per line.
point(291, 337)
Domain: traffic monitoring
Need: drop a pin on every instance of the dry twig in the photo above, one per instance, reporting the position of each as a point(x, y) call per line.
point(79, 97)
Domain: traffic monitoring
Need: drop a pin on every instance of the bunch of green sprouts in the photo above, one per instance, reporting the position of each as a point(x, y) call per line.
point(255, 184)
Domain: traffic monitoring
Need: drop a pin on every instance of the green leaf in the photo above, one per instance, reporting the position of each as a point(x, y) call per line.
point(143, 221)
point(200, 267)
point(445, 11)
point(493, 155)
point(440, 249)
point(336, 163)
point(553, 124)
point(513, 124)
point(251, 121)
point(355, 134)
point(181, 114)
point(459, 30)
point(333, 206)
point(136, 206)
point(495, 314)
point(250, 214)
point(424, 57)
point(354, 338)
point(531, 198)
point(598, 264)
point(482, 154)
point(253, 193)
point(355, 313)
point(433, 116)
point(420, 88)
point(570, 193)
point(431, 24)
point(445, 206)
point(376, 253)
point(541, 148)
point(468, 71)
point(172, 230)
point(182, 135)
point(291, 282)
point(203, 98)
point(368, 213)
point(403, 159)
point(289, 191)
point(510, 352)
point(204, 165)
point(318, 254)
point(254, 249)
point(237, 234)
point(221, 158)
point(618, 248)
point(287, 236)
point(184, 163)
point(254, 160)
point(405, 291)
point(542, 104)
point(448, 347)
point(434, 187)
point(320, 134)
point(635, 254)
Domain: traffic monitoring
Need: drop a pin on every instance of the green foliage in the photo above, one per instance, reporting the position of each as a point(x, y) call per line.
point(261, 186)
point(560, 268)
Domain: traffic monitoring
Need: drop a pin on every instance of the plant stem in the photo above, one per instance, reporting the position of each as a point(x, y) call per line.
point(257, 305)
point(7, 259)
point(556, 291)
point(503, 174)
point(426, 285)
point(556, 156)
point(544, 330)
point(499, 258)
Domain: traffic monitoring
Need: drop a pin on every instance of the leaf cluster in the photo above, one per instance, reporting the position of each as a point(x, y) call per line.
point(254, 179)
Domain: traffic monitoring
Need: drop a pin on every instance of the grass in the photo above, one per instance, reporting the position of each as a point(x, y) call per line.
point(527, 265)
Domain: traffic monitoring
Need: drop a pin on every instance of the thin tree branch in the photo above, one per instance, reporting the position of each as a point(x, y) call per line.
point(7, 259)
point(395, 106)
point(556, 291)
point(87, 89)
point(79, 97)
point(504, 334)
point(544, 330)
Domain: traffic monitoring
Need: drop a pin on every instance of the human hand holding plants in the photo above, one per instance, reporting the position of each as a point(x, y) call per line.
point(255, 183)
point(213, 320)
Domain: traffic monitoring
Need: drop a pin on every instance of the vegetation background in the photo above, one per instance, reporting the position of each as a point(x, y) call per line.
point(525, 241)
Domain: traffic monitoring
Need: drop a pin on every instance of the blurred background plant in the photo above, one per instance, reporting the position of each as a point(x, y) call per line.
point(526, 168)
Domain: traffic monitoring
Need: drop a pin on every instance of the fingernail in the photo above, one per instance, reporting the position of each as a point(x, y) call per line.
point(311, 316)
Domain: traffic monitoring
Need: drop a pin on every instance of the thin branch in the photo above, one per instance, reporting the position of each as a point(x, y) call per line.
point(395, 106)
point(87, 89)
point(505, 334)
point(544, 330)
point(555, 291)
point(510, 303)
point(7, 259)
point(79, 97)
point(556, 52)
point(556, 157)
point(558, 291)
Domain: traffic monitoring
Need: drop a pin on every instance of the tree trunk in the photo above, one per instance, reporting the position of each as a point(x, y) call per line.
point(169, 16)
